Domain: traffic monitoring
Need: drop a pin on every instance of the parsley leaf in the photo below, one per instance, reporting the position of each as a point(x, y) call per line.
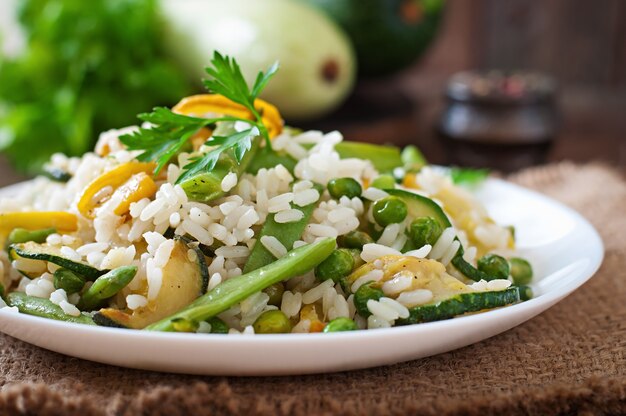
point(169, 132)
point(239, 143)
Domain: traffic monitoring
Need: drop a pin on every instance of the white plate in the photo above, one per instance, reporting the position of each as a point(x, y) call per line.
point(564, 248)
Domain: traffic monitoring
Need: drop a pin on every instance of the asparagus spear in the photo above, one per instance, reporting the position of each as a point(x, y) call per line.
point(43, 308)
point(106, 287)
point(236, 289)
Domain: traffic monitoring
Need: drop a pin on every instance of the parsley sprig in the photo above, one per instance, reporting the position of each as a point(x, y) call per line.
point(169, 132)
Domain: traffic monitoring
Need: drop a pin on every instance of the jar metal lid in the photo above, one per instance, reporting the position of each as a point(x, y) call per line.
point(501, 87)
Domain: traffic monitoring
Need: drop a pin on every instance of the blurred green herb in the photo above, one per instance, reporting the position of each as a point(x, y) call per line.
point(88, 66)
point(468, 176)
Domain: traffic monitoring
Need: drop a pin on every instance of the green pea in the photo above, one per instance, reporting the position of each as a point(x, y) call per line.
point(521, 271)
point(525, 292)
point(275, 292)
point(272, 322)
point(494, 265)
point(389, 210)
point(217, 325)
point(362, 295)
point(384, 182)
point(425, 230)
point(355, 239)
point(68, 281)
point(339, 264)
point(340, 325)
point(344, 187)
point(21, 235)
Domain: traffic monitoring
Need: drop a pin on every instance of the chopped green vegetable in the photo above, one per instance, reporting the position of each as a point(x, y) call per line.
point(217, 325)
point(521, 271)
point(68, 281)
point(459, 305)
point(206, 185)
point(466, 176)
point(21, 235)
point(184, 325)
point(44, 308)
point(384, 182)
point(266, 158)
point(287, 234)
point(272, 322)
point(355, 240)
point(77, 53)
point(525, 292)
point(363, 294)
point(494, 265)
point(236, 289)
point(413, 159)
point(339, 264)
point(349, 187)
point(384, 158)
point(340, 325)
point(389, 210)
point(275, 292)
point(106, 287)
point(424, 230)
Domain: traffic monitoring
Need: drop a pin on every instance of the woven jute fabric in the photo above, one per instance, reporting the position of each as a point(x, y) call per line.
point(569, 360)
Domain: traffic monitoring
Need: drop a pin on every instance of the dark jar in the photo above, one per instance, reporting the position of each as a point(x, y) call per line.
point(500, 108)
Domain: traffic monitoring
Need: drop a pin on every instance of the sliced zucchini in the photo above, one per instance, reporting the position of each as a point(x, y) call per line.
point(52, 254)
point(421, 206)
point(183, 282)
point(461, 304)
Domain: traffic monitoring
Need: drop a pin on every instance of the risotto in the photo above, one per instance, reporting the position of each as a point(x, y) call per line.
point(215, 218)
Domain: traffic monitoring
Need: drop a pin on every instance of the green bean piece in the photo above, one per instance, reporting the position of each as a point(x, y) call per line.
point(272, 322)
point(217, 325)
point(525, 292)
point(287, 234)
point(384, 182)
point(44, 308)
point(355, 240)
point(232, 291)
point(521, 271)
point(21, 235)
point(362, 295)
point(339, 264)
point(389, 210)
point(68, 281)
point(341, 325)
point(413, 159)
point(494, 265)
point(344, 187)
point(425, 230)
point(184, 325)
point(106, 287)
point(275, 292)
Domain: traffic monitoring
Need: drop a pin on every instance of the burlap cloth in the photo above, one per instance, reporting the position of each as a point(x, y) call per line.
point(569, 360)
